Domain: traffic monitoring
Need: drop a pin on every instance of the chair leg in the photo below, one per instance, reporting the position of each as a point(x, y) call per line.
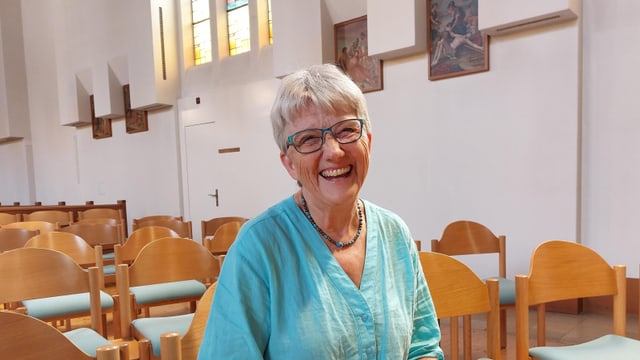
point(144, 349)
point(503, 329)
point(466, 336)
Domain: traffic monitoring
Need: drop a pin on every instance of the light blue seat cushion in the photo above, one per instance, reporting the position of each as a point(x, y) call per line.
point(612, 347)
point(86, 339)
point(109, 269)
point(507, 290)
point(64, 305)
point(146, 294)
point(108, 256)
point(152, 328)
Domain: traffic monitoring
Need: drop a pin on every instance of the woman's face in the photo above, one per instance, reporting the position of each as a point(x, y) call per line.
point(334, 174)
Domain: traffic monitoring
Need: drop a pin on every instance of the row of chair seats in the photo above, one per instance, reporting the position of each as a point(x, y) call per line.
point(167, 270)
point(559, 270)
point(95, 232)
point(102, 215)
point(122, 257)
point(62, 218)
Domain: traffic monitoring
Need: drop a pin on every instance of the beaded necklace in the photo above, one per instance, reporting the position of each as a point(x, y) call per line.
point(324, 235)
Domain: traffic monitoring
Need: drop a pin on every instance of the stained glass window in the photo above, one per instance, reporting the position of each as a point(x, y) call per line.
point(238, 22)
point(270, 23)
point(201, 31)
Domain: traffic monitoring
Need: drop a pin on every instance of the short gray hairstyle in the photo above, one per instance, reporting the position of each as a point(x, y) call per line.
point(323, 86)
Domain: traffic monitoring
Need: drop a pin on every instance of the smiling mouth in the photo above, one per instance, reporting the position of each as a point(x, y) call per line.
point(334, 173)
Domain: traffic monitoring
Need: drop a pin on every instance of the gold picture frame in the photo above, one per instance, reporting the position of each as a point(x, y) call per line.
point(456, 46)
point(352, 54)
point(135, 120)
point(100, 127)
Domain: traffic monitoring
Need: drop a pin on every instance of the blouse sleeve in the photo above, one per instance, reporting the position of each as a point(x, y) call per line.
point(425, 340)
point(238, 325)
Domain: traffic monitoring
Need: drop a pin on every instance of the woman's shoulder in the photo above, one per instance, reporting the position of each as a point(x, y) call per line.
point(384, 214)
point(276, 213)
point(262, 228)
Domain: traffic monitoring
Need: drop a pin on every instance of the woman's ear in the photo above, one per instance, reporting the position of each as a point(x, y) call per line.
point(288, 165)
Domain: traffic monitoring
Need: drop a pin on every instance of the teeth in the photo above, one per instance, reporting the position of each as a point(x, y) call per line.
point(335, 172)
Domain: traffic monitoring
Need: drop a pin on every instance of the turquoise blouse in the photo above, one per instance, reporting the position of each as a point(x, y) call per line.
point(282, 295)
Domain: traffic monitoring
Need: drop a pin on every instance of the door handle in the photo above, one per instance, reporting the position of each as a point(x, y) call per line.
point(215, 195)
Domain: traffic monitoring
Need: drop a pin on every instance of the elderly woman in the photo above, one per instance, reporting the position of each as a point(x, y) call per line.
point(322, 274)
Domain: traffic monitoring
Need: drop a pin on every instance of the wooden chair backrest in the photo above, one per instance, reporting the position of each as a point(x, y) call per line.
point(221, 241)
point(96, 234)
point(562, 270)
point(101, 213)
point(110, 221)
point(172, 259)
point(127, 252)
point(41, 226)
point(7, 218)
point(457, 291)
point(156, 217)
point(62, 218)
point(183, 228)
point(187, 346)
point(465, 237)
point(27, 338)
point(71, 244)
point(15, 238)
point(209, 227)
point(33, 273)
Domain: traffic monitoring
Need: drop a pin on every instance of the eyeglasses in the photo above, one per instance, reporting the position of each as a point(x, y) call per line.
point(311, 140)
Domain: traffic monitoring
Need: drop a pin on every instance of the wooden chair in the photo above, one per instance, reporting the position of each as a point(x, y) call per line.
point(80, 251)
point(221, 241)
point(209, 227)
point(465, 237)
point(62, 218)
point(41, 226)
point(561, 270)
point(166, 271)
point(127, 252)
point(27, 338)
point(8, 218)
point(183, 228)
point(183, 332)
point(105, 235)
point(105, 213)
point(463, 297)
point(15, 238)
point(52, 287)
point(109, 221)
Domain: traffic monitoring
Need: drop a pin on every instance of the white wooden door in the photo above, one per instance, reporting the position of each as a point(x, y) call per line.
point(213, 182)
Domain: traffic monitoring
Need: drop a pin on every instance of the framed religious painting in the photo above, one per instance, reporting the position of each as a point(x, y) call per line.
point(352, 56)
point(456, 46)
point(135, 120)
point(100, 127)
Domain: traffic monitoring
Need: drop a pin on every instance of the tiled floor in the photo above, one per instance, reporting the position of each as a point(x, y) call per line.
point(562, 329)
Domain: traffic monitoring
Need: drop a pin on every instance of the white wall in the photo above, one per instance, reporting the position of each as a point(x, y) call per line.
point(611, 196)
point(500, 147)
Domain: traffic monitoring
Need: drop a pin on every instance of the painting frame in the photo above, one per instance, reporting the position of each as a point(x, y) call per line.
point(135, 120)
point(455, 44)
point(352, 55)
point(100, 127)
